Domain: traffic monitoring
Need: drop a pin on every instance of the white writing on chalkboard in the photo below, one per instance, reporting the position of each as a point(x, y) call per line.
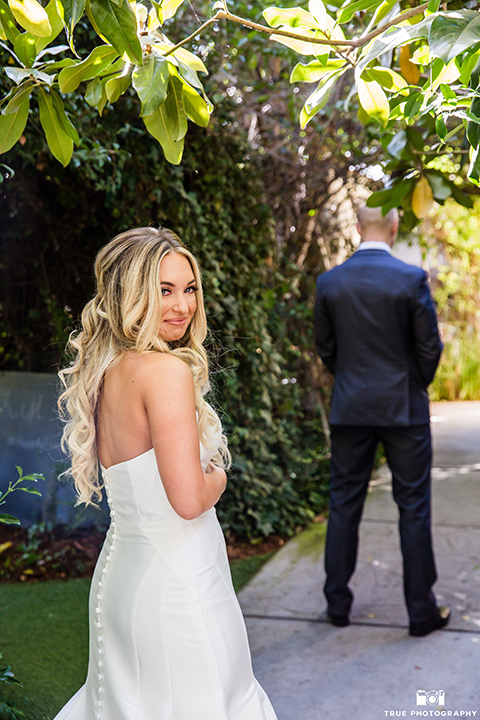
point(26, 410)
point(39, 443)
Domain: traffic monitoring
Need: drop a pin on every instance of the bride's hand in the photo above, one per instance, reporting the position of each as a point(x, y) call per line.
point(218, 473)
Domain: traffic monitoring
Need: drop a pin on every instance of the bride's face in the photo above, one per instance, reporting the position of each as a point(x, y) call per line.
point(179, 296)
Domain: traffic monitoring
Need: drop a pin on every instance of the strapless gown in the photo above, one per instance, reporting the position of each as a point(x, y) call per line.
point(167, 636)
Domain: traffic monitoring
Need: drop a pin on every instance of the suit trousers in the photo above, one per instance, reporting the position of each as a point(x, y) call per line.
point(409, 456)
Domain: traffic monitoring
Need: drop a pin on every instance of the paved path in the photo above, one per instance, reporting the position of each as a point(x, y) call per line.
point(373, 669)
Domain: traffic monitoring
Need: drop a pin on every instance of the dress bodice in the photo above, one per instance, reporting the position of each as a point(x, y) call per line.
point(135, 492)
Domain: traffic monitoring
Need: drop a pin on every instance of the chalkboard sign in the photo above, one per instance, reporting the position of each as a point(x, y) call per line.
point(30, 437)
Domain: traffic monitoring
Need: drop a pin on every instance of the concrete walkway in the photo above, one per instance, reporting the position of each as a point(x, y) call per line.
point(373, 669)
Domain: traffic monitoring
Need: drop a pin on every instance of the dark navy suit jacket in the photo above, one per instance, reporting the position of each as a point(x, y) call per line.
point(376, 331)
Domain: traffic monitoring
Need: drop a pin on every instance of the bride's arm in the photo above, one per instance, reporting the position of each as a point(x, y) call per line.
point(167, 392)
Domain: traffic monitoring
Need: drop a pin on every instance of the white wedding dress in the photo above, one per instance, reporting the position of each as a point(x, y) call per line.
point(167, 636)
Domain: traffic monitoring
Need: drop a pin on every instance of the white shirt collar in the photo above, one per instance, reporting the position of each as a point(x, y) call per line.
point(375, 245)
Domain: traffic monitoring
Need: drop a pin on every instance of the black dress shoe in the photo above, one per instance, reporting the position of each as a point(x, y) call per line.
point(338, 620)
point(438, 621)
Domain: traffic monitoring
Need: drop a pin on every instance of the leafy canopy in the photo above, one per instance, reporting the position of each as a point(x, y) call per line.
point(411, 71)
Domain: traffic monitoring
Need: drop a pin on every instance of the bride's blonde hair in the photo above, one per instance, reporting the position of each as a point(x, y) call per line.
point(125, 315)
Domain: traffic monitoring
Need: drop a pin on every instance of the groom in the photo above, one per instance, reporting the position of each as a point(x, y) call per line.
point(376, 331)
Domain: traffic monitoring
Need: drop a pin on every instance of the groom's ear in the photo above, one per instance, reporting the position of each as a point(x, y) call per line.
point(359, 229)
point(395, 226)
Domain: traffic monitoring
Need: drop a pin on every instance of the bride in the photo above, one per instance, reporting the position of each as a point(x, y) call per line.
point(167, 636)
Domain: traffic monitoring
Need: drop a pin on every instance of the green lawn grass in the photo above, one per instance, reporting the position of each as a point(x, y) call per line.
point(44, 637)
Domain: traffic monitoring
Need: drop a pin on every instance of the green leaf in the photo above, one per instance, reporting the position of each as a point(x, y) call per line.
point(55, 50)
point(8, 23)
point(189, 74)
point(31, 16)
point(447, 92)
point(317, 24)
point(289, 17)
point(468, 65)
point(460, 197)
point(443, 74)
point(348, 9)
point(13, 125)
point(62, 118)
point(321, 56)
point(18, 98)
point(188, 58)
point(29, 48)
point(365, 117)
point(94, 92)
point(383, 11)
point(392, 39)
point(436, 68)
point(150, 81)
point(373, 100)
point(175, 109)
point(59, 142)
point(60, 64)
point(25, 48)
point(474, 168)
point(433, 6)
point(117, 85)
point(387, 78)
point(319, 98)
point(30, 491)
point(9, 519)
point(440, 127)
point(413, 105)
point(119, 26)
point(53, 10)
point(465, 114)
point(197, 106)
point(441, 188)
point(473, 128)
point(397, 144)
point(99, 59)
point(34, 477)
point(453, 33)
point(73, 11)
point(314, 70)
point(415, 138)
point(167, 9)
point(392, 197)
point(159, 125)
point(18, 75)
point(421, 56)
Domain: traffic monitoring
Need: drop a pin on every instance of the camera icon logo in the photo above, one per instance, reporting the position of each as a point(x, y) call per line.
point(431, 697)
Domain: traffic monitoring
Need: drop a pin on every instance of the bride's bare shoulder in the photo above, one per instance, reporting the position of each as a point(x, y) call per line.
point(158, 368)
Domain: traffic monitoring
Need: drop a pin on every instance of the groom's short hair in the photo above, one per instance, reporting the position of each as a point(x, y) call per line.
point(373, 219)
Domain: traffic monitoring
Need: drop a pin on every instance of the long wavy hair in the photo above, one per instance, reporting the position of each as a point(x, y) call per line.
point(124, 315)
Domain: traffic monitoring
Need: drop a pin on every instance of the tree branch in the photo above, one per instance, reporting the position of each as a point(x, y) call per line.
point(225, 14)
point(399, 18)
point(360, 42)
